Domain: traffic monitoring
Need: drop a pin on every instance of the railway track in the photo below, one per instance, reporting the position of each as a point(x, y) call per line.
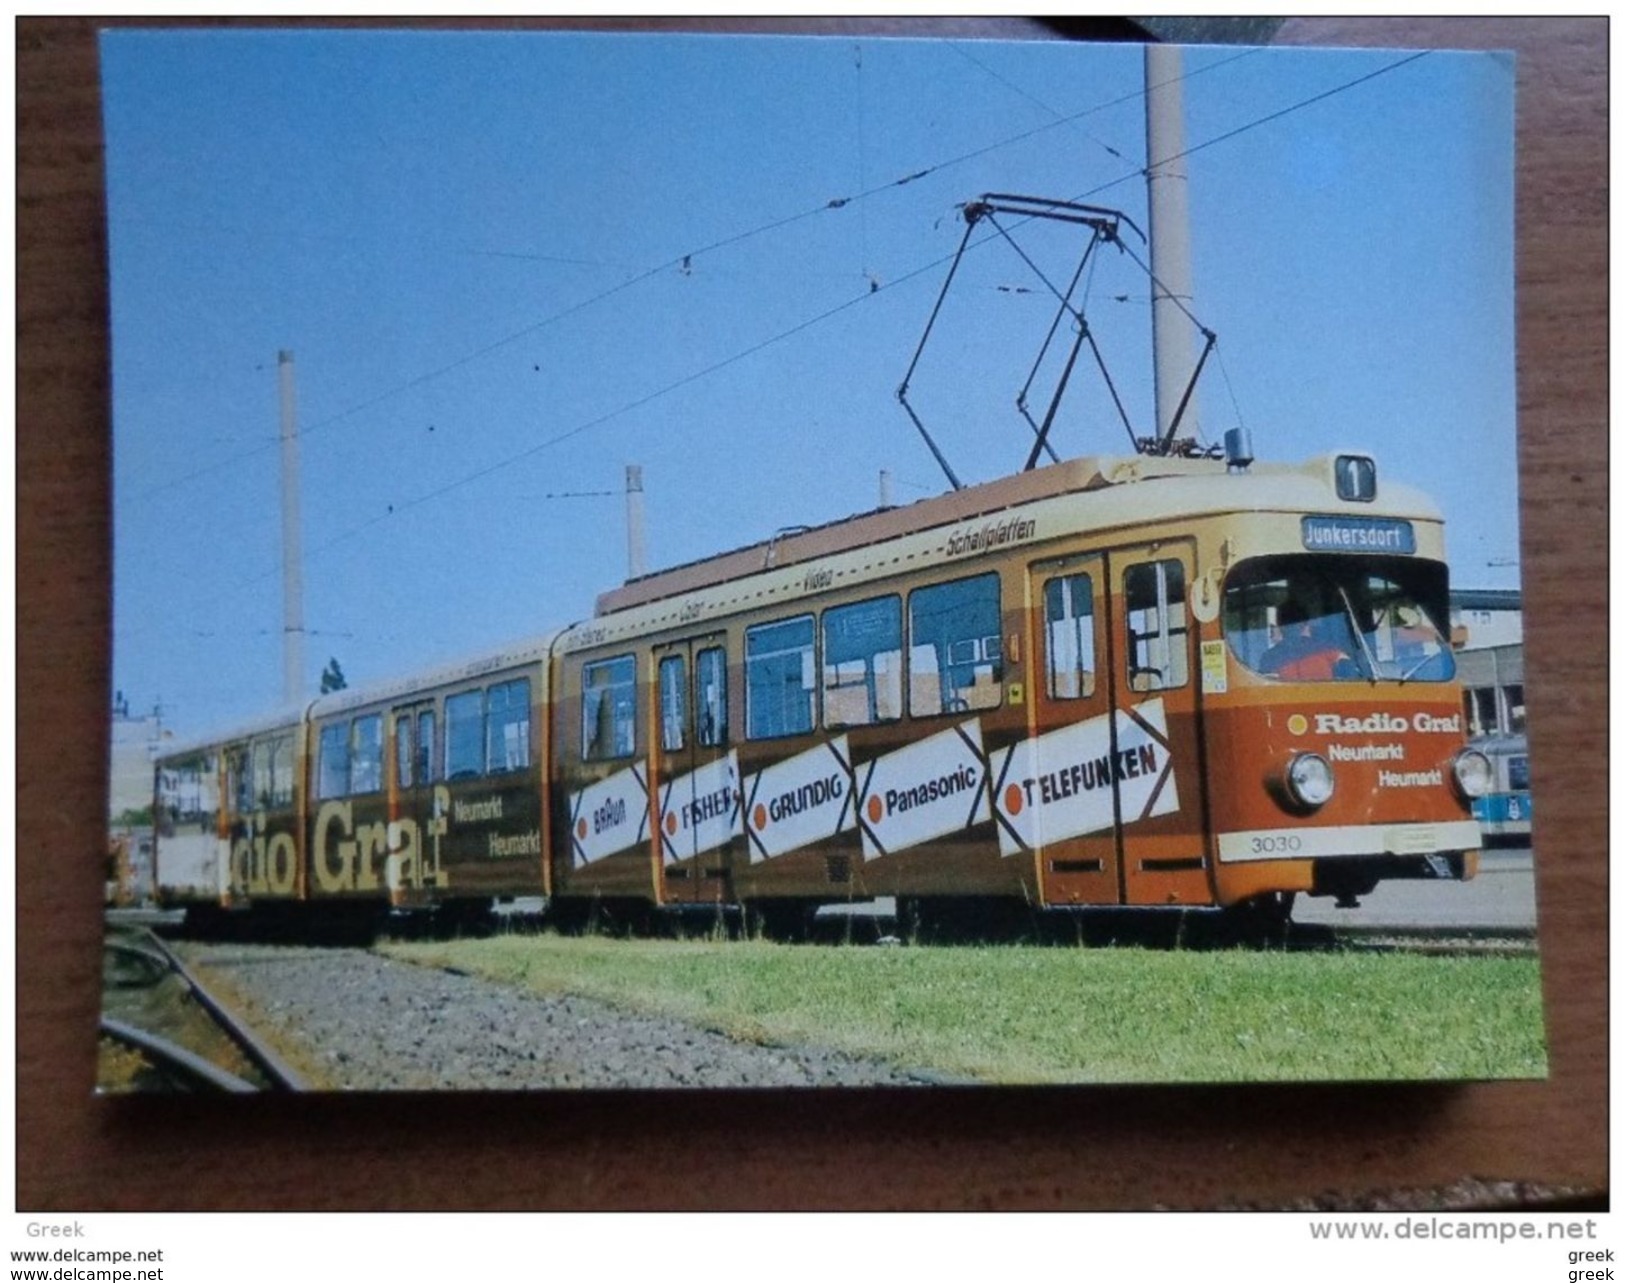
point(1497, 942)
point(162, 1028)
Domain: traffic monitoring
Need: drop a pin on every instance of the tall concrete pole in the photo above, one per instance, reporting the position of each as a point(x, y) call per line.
point(636, 560)
point(293, 604)
point(1168, 193)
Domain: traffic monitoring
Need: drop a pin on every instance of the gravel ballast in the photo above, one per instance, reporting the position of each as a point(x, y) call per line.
point(354, 1020)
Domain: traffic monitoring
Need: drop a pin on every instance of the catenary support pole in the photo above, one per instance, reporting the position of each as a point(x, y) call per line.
point(293, 606)
point(1168, 196)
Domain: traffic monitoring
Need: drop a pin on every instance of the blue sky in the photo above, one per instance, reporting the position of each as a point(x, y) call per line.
point(472, 244)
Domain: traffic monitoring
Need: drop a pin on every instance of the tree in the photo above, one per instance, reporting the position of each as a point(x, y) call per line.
point(333, 676)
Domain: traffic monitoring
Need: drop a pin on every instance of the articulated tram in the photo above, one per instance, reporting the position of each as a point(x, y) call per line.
point(1141, 681)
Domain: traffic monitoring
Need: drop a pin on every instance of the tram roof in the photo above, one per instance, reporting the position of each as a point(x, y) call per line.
point(1207, 487)
point(515, 655)
point(286, 718)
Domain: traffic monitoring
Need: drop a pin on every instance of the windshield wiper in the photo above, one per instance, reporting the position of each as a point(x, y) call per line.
point(1415, 668)
point(1354, 627)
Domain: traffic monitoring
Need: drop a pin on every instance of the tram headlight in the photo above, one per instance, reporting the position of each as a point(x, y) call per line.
point(1474, 774)
point(1309, 780)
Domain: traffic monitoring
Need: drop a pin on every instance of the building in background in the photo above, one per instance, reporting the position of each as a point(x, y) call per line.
point(1486, 629)
point(134, 744)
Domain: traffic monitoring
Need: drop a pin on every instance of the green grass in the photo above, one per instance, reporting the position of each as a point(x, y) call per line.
point(1016, 1013)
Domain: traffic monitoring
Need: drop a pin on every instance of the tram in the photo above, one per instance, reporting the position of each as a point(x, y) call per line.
point(1137, 681)
point(1505, 813)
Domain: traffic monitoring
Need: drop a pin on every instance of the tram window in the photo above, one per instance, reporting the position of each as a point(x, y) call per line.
point(242, 783)
point(404, 755)
point(507, 726)
point(673, 699)
point(186, 792)
point(465, 735)
point(955, 662)
point(711, 697)
point(273, 772)
point(425, 747)
point(262, 772)
point(367, 754)
point(863, 662)
point(282, 771)
point(779, 679)
point(333, 761)
point(1069, 622)
point(1154, 593)
point(609, 709)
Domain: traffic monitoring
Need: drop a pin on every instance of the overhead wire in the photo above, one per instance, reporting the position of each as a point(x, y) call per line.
point(745, 353)
point(958, 46)
point(679, 262)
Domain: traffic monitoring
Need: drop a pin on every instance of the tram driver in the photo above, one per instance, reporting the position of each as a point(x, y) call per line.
point(1309, 649)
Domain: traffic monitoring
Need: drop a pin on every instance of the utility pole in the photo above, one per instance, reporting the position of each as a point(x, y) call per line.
point(1168, 196)
point(293, 606)
point(636, 561)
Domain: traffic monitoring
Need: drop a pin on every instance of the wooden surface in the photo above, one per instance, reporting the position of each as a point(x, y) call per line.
point(1050, 1148)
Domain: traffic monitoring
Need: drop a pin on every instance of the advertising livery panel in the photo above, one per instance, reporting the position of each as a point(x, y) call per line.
point(1060, 785)
point(799, 801)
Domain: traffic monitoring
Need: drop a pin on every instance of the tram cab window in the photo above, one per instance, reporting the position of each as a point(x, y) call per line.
point(333, 761)
point(465, 735)
point(779, 679)
point(507, 726)
point(711, 697)
point(609, 709)
point(367, 754)
point(955, 661)
point(863, 663)
point(1154, 612)
point(1311, 618)
point(1069, 621)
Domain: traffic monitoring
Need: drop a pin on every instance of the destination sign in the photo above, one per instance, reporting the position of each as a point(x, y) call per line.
point(1358, 534)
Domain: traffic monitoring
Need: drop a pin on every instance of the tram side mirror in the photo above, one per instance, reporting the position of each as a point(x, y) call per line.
point(1356, 477)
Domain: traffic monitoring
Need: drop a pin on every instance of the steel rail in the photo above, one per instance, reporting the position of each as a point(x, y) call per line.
point(171, 1055)
point(282, 1076)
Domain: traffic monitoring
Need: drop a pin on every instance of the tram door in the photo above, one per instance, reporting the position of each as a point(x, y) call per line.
point(696, 772)
point(416, 767)
point(1156, 759)
point(1059, 803)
